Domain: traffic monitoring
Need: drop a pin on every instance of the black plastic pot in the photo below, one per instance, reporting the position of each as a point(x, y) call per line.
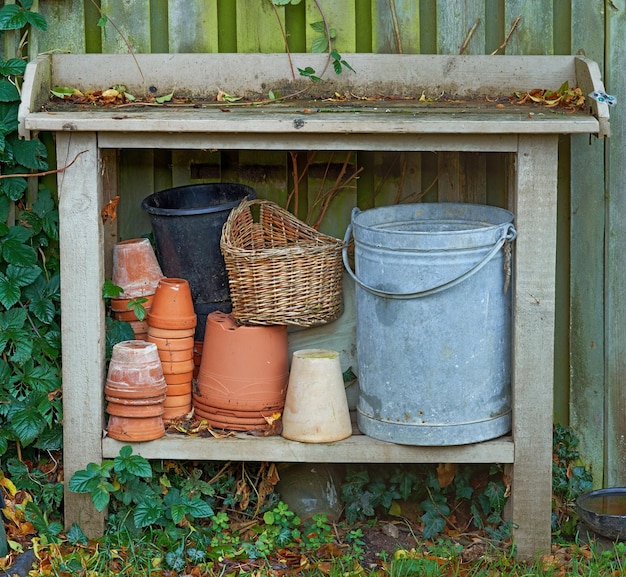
point(187, 223)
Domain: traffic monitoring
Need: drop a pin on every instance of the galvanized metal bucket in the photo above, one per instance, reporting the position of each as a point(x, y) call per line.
point(433, 310)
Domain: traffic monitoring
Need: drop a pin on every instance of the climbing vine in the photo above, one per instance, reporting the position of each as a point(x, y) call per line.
point(30, 327)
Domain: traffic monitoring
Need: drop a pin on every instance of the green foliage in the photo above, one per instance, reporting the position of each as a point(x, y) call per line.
point(30, 334)
point(369, 491)
point(137, 498)
point(570, 478)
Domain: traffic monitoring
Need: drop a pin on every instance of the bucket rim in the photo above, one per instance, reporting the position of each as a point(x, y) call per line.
point(506, 217)
point(147, 205)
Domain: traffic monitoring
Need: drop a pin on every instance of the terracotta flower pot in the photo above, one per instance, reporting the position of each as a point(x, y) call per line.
point(243, 368)
point(174, 413)
point(172, 344)
point(169, 333)
point(134, 430)
point(204, 409)
point(118, 407)
point(197, 356)
point(172, 307)
point(182, 389)
point(177, 368)
point(140, 328)
point(175, 356)
point(135, 371)
point(129, 316)
point(135, 268)
point(316, 407)
point(178, 401)
point(178, 379)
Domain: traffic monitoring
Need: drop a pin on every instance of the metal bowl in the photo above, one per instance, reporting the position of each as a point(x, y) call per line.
point(604, 511)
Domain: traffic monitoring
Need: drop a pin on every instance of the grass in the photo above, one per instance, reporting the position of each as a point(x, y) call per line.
point(150, 554)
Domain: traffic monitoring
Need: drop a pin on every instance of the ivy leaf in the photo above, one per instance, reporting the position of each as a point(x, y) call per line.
point(9, 292)
point(23, 275)
point(14, 188)
point(8, 92)
point(8, 116)
point(16, 252)
point(101, 496)
point(433, 524)
point(50, 439)
point(31, 154)
point(133, 464)
point(12, 67)
point(43, 309)
point(14, 17)
point(75, 535)
point(198, 508)
point(12, 319)
point(147, 513)
point(27, 423)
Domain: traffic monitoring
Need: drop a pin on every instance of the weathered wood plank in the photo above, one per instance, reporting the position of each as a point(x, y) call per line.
point(396, 26)
point(587, 237)
point(354, 449)
point(193, 26)
point(533, 198)
point(136, 173)
point(339, 16)
point(82, 308)
point(66, 18)
point(534, 33)
point(455, 20)
point(615, 287)
point(258, 27)
point(132, 18)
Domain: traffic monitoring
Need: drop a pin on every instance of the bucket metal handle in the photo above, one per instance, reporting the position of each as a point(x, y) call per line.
point(509, 234)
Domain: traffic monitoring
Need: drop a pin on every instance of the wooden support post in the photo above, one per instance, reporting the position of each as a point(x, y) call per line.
point(82, 309)
point(533, 197)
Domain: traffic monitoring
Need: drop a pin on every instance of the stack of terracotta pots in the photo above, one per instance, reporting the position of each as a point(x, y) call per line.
point(135, 391)
point(171, 327)
point(137, 271)
point(243, 376)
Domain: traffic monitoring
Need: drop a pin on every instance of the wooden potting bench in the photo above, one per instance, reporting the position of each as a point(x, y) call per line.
point(90, 137)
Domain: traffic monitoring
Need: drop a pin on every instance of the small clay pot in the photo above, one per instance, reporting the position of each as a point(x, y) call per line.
point(172, 344)
point(134, 429)
point(170, 333)
point(175, 412)
point(135, 268)
point(178, 379)
point(129, 316)
point(135, 371)
point(178, 401)
point(182, 389)
point(172, 307)
point(175, 356)
point(177, 368)
point(135, 411)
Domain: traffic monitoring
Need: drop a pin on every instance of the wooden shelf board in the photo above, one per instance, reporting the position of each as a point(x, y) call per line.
point(355, 449)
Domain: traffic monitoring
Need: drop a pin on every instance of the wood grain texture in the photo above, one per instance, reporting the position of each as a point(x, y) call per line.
point(132, 18)
point(455, 20)
point(397, 33)
point(534, 33)
point(67, 19)
point(587, 268)
point(82, 309)
point(193, 26)
point(615, 287)
point(533, 201)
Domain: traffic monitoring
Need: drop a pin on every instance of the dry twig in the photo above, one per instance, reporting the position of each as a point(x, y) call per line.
point(396, 27)
point(46, 172)
point(508, 36)
point(469, 36)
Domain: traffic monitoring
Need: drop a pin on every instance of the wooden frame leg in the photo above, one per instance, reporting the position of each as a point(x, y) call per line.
point(533, 197)
point(82, 309)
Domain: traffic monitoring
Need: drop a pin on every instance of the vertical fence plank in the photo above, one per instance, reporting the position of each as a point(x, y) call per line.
point(65, 20)
point(534, 33)
point(132, 18)
point(615, 312)
point(193, 26)
point(396, 26)
point(455, 20)
point(258, 27)
point(587, 347)
point(340, 16)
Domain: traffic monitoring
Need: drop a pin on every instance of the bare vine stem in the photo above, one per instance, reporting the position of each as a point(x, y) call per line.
point(469, 36)
point(46, 172)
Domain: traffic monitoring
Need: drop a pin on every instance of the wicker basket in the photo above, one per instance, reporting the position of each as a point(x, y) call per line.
point(280, 270)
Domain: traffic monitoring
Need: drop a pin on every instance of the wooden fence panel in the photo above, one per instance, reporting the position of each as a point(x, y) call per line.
point(615, 286)
point(459, 22)
point(192, 26)
point(396, 26)
point(66, 22)
point(534, 33)
point(586, 322)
